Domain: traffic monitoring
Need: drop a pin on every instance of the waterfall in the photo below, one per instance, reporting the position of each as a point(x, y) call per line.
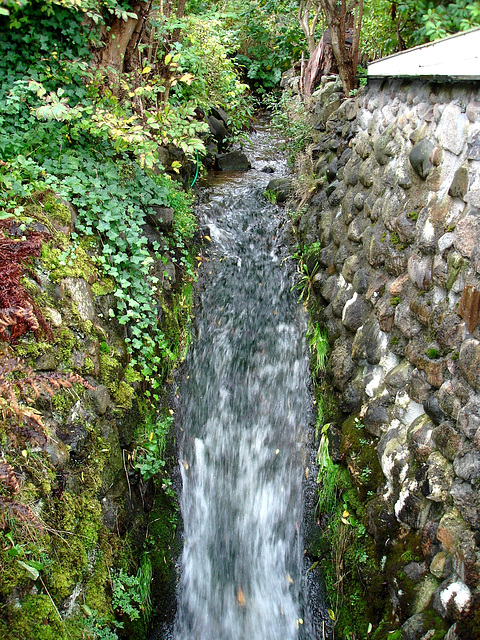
point(244, 405)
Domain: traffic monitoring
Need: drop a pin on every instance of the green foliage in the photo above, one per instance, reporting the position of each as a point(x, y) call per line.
point(432, 353)
point(150, 453)
point(319, 347)
point(126, 594)
point(205, 51)
point(288, 117)
point(269, 39)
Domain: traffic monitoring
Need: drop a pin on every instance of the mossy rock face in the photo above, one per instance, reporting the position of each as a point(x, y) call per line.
point(35, 619)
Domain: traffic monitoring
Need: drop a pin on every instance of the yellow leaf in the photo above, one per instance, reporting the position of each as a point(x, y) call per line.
point(24, 453)
point(289, 578)
point(307, 471)
point(331, 614)
point(345, 514)
point(170, 411)
point(240, 597)
point(185, 464)
point(207, 238)
point(146, 69)
point(168, 57)
point(150, 437)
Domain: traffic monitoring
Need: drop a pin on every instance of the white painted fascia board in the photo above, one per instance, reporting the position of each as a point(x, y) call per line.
point(455, 57)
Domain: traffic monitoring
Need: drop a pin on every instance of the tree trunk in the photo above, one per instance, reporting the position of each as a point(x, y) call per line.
point(118, 39)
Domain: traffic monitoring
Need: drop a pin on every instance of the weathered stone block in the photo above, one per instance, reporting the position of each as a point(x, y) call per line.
point(469, 307)
point(447, 440)
point(459, 186)
point(469, 362)
point(420, 269)
point(233, 161)
point(452, 129)
point(420, 158)
point(82, 295)
point(468, 421)
point(440, 477)
point(467, 467)
point(420, 438)
point(354, 312)
point(467, 501)
point(467, 233)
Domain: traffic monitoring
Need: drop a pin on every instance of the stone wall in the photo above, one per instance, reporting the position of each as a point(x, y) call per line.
point(392, 236)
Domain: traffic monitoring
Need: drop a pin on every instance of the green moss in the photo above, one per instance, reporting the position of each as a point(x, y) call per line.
point(65, 342)
point(76, 264)
point(63, 401)
point(35, 619)
point(88, 366)
point(123, 395)
point(103, 287)
point(110, 371)
point(56, 210)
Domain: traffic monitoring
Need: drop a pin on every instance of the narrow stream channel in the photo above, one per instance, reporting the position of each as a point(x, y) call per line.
point(244, 404)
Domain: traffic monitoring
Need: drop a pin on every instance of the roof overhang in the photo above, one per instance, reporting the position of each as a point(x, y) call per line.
point(454, 58)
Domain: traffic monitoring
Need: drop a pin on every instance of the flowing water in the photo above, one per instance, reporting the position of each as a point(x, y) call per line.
point(244, 407)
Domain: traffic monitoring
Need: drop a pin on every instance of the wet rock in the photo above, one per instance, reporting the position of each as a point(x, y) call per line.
point(160, 217)
point(350, 267)
point(405, 322)
point(451, 332)
point(450, 397)
point(418, 388)
point(218, 130)
point(280, 188)
point(420, 158)
point(233, 161)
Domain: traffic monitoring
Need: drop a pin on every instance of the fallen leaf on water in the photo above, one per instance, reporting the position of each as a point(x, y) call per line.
point(185, 464)
point(207, 238)
point(240, 597)
point(289, 578)
point(307, 471)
